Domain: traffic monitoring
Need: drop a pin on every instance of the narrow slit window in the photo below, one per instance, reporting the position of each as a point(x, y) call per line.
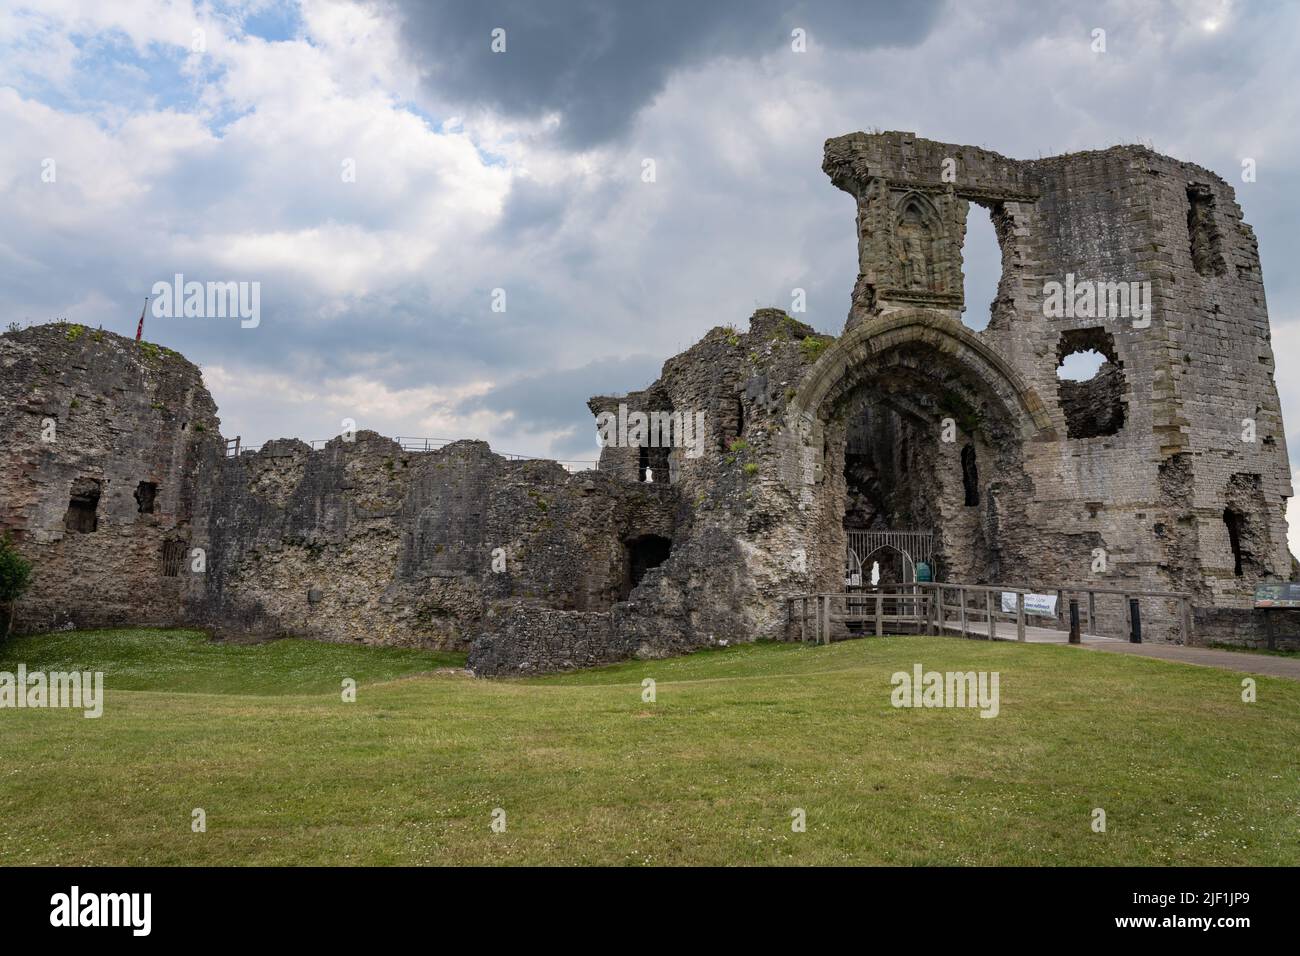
point(970, 479)
point(1234, 520)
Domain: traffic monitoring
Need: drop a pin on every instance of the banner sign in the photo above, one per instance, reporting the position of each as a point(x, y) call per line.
point(1277, 594)
point(1042, 604)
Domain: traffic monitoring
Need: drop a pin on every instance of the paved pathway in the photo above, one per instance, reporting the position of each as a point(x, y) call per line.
point(1267, 664)
point(1245, 663)
point(1006, 631)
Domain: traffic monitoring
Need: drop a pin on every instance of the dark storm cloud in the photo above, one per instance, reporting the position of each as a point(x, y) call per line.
point(597, 63)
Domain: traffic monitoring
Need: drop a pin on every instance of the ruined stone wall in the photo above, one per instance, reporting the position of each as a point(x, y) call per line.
point(738, 555)
point(528, 639)
point(1095, 488)
point(1248, 628)
point(1222, 376)
point(357, 541)
point(92, 415)
point(362, 541)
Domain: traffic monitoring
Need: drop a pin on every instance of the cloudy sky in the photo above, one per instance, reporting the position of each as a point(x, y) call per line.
point(381, 171)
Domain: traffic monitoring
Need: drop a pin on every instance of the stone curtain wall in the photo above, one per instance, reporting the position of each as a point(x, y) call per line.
point(361, 541)
point(1249, 629)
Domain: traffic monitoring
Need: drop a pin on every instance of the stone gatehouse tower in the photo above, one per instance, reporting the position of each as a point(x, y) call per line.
point(1170, 462)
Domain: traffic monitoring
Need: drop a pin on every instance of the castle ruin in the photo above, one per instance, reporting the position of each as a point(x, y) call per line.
point(776, 444)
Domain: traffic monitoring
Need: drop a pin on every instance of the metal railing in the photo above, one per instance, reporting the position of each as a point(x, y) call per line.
point(972, 610)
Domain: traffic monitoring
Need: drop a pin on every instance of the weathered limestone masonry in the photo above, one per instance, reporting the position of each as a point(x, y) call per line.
point(104, 447)
point(765, 448)
point(362, 541)
point(531, 567)
point(1147, 461)
point(741, 553)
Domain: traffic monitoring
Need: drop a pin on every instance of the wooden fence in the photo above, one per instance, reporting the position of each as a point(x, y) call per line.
point(977, 610)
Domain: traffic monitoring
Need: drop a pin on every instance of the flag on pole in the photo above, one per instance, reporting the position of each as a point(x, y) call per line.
point(139, 329)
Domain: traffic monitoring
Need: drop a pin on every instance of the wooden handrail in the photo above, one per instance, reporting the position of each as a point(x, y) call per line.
point(931, 600)
point(1013, 589)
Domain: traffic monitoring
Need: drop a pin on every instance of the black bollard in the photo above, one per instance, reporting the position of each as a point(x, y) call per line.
point(1074, 621)
point(1135, 632)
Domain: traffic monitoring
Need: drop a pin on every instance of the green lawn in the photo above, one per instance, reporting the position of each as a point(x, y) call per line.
point(186, 662)
point(587, 772)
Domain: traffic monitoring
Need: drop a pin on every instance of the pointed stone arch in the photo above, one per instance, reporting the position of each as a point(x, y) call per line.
point(844, 366)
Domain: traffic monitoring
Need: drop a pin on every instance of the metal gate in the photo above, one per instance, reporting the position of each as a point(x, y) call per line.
point(912, 546)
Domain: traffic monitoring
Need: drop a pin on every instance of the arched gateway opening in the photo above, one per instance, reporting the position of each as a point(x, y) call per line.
point(910, 423)
point(886, 557)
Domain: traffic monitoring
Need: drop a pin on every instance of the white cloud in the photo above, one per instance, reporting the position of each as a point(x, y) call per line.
point(380, 286)
point(335, 258)
point(316, 409)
